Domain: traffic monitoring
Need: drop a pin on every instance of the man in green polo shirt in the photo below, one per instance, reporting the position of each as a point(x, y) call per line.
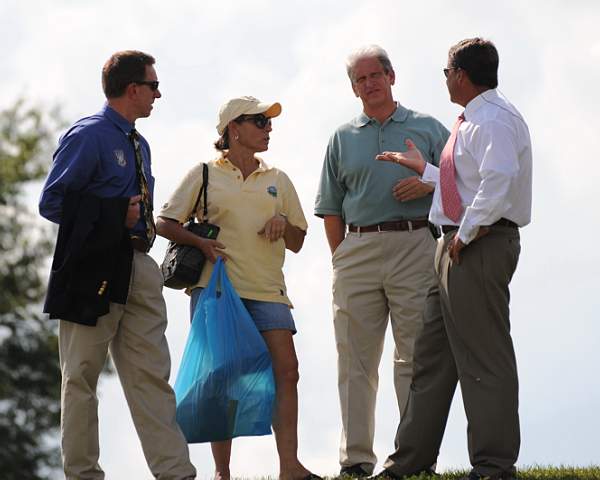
point(383, 261)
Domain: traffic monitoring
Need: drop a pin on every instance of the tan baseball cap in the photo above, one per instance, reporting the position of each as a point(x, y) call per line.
point(235, 107)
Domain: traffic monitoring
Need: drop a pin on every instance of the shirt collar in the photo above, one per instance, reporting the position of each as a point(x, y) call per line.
point(399, 115)
point(119, 120)
point(477, 102)
point(262, 165)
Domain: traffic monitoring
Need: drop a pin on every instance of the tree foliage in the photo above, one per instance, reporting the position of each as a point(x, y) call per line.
point(29, 368)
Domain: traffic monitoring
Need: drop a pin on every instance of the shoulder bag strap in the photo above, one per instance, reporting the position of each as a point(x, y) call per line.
point(203, 188)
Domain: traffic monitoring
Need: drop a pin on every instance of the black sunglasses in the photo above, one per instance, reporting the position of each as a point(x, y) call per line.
point(259, 120)
point(153, 84)
point(447, 70)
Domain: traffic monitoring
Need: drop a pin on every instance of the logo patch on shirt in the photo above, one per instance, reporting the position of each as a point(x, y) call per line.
point(272, 190)
point(120, 156)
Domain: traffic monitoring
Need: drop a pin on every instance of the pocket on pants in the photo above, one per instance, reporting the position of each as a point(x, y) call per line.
point(339, 250)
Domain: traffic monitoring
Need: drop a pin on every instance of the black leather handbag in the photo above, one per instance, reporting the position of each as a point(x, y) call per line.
point(183, 264)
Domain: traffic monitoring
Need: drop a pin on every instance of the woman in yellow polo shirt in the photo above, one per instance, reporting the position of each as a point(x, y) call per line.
point(258, 211)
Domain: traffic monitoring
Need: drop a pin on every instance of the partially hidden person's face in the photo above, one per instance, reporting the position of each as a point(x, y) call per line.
point(254, 132)
point(146, 93)
point(371, 83)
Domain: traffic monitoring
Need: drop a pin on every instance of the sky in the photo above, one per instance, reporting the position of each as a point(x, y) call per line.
point(294, 52)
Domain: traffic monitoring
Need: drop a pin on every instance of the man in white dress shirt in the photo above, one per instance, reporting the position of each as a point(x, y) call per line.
point(482, 197)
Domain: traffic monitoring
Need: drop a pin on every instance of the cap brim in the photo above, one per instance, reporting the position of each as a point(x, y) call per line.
point(273, 111)
point(269, 110)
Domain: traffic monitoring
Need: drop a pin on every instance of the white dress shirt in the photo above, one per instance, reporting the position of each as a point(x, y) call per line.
point(492, 157)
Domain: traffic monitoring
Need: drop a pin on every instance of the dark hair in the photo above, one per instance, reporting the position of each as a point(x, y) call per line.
point(123, 68)
point(223, 142)
point(478, 58)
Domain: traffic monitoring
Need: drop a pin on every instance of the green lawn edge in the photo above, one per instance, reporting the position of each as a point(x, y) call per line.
point(534, 472)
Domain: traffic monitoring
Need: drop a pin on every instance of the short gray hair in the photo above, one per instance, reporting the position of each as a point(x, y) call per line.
point(368, 51)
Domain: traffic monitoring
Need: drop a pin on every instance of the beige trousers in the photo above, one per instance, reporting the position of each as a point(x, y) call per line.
point(376, 276)
point(134, 333)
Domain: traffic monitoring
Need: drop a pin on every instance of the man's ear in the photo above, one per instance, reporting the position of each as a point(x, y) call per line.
point(462, 77)
point(131, 90)
point(392, 76)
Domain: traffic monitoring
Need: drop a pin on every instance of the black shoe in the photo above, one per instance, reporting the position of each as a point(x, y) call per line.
point(478, 476)
point(386, 474)
point(355, 471)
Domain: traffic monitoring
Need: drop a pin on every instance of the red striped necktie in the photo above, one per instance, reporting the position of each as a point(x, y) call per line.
point(451, 202)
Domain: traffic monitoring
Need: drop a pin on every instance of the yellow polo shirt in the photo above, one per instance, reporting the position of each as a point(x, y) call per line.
point(241, 208)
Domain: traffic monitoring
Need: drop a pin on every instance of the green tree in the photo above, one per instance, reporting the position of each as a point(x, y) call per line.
point(29, 369)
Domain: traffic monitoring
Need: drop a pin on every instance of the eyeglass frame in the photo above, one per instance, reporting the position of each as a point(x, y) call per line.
point(258, 119)
point(153, 84)
point(447, 70)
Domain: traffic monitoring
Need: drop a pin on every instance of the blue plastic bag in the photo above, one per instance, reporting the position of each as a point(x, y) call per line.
point(225, 386)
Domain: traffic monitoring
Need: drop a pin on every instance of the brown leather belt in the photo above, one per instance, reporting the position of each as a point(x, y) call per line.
point(140, 244)
point(503, 222)
point(398, 225)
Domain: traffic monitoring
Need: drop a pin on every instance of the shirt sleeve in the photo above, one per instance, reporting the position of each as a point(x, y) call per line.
point(431, 174)
point(181, 203)
point(74, 165)
point(291, 206)
point(494, 147)
point(330, 195)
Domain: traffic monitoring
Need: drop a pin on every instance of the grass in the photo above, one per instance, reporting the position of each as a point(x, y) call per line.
point(527, 473)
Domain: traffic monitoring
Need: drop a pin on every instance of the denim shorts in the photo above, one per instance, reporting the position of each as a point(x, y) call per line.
point(266, 315)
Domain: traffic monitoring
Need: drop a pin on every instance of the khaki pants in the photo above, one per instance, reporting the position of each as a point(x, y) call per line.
point(466, 338)
point(134, 333)
point(376, 275)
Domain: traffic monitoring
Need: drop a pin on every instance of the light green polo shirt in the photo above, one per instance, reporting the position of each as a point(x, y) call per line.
point(359, 188)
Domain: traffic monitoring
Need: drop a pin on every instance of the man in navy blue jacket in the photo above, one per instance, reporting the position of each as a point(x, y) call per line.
point(104, 287)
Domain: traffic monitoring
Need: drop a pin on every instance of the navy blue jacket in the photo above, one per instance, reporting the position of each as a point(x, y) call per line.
point(92, 260)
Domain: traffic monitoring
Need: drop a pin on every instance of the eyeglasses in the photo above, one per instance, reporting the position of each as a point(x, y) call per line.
point(259, 120)
point(153, 84)
point(447, 70)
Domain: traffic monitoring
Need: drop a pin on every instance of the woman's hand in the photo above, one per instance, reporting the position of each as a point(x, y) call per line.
point(274, 229)
point(212, 249)
point(173, 230)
